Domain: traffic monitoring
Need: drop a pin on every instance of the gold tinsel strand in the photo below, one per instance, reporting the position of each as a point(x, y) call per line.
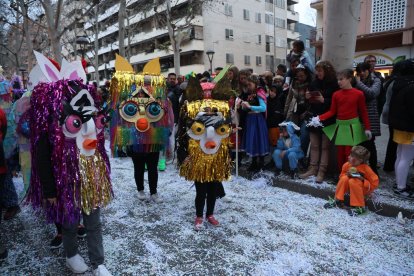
point(193, 108)
point(203, 167)
point(95, 185)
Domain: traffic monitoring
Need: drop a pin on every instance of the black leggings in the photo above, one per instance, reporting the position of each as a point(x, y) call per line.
point(391, 155)
point(139, 160)
point(206, 190)
point(370, 146)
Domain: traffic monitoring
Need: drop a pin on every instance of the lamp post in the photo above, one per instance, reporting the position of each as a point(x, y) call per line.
point(210, 55)
point(82, 41)
point(23, 71)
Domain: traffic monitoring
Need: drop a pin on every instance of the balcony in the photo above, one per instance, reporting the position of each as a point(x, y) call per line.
point(291, 34)
point(292, 2)
point(316, 36)
point(193, 45)
point(316, 4)
point(292, 15)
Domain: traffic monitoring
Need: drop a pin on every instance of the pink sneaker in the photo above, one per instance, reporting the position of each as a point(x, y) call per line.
point(212, 220)
point(198, 224)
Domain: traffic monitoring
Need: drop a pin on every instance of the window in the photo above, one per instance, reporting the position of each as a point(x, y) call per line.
point(280, 23)
point(269, 5)
point(246, 15)
point(258, 17)
point(246, 60)
point(269, 63)
point(258, 61)
point(259, 39)
point(280, 4)
point(280, 61)
point(229, 58)
point(269, 40)
point(229, 34)
point(388, 15)
point(228, 10)
point(307, 43)
point(269, 19)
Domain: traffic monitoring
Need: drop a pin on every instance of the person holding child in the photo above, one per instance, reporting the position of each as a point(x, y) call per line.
point(357, 179)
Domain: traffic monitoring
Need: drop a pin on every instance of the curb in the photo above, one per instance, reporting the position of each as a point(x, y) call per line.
point(380, 208)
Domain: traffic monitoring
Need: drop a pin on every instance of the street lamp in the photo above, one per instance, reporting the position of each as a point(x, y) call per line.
point(23, 71)
point(210, 55)
point(82, 41)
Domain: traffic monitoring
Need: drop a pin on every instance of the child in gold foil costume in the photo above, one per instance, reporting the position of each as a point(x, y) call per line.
point(203, 144)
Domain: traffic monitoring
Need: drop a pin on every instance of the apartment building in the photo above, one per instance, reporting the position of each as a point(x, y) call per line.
point(248, 33)
point(385, 30)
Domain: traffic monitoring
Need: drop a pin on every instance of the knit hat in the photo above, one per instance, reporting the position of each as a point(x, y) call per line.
point(361, 153)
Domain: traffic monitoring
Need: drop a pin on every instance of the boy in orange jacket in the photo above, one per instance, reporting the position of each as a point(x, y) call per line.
point(357, 179)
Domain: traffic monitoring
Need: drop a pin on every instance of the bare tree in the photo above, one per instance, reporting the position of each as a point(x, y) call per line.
point(340, 31)
point(122, 15)
point(53, 12)
point(24, 6)
point(179, 23)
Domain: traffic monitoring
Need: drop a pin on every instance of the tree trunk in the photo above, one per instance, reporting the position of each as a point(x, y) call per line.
point(29, 43)
point(340, 32)
point(177, 63)
point(121, 27)
point(175, 43)
point(96, 45)
point(128, 47)
point(53, 20)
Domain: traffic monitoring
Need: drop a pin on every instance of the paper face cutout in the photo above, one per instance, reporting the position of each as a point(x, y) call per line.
point(82, 122)
point(141, 112)
point(210, 129)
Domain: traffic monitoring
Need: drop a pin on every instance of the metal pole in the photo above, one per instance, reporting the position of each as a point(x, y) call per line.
point(237, 152)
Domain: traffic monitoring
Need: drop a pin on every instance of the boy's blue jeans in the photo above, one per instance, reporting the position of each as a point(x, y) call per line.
point(292, 157)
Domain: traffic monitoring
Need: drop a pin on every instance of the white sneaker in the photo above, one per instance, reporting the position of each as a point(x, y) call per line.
point(141, 195)
point(101, 271)
point(156, 198)
point(76, 264)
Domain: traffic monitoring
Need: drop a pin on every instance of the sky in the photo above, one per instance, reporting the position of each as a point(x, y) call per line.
point(307, 15)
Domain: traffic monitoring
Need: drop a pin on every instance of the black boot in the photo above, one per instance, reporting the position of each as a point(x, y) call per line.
point(3, 254)
point(253, 166)
point(277, 171)
point(260, 166)
point(270, 165)
point(293, 173)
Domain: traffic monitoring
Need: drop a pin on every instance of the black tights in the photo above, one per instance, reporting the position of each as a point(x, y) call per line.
point(370, 146)
point(206, 190)
point(139, 160)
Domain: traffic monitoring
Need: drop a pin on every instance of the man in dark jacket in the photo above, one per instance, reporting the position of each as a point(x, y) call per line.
point(174, 94)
